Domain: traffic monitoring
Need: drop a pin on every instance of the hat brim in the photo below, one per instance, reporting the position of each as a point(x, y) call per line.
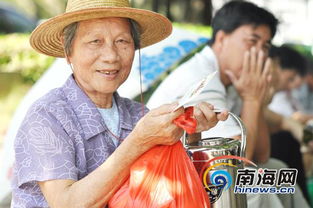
point(46, 38)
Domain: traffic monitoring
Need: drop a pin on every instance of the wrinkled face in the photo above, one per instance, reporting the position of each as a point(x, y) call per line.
point(234, 45)
point(102, 54)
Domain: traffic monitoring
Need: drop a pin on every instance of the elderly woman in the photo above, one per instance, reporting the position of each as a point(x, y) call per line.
point(77, 143)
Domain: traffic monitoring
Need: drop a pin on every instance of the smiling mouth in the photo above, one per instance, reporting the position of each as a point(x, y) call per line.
point(107, 72)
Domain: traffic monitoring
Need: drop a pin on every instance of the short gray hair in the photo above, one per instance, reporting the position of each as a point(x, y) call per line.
point(70, 31)
point(69, 35)
point(135, 31)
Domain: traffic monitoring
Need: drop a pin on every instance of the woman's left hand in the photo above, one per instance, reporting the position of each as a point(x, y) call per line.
point(206, 117)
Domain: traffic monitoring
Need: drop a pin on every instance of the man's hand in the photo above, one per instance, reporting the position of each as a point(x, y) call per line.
point(252, 86)
point(206, 117)
point(253, 83)
point(293, 126)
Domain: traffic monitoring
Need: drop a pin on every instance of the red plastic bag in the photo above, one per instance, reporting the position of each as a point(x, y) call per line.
point(163, 177)
point(187, 121)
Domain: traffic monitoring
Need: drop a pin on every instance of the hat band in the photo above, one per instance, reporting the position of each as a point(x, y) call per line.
point(76, 5)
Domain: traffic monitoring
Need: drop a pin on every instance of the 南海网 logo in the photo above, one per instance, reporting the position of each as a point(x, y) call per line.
point(246, 180)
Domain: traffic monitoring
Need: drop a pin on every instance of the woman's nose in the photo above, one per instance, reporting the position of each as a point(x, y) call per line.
point(109, 53)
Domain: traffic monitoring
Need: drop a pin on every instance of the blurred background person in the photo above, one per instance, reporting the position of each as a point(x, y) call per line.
point(238, 51)
point(286, 133)
point(242, 34)
point(303, 95)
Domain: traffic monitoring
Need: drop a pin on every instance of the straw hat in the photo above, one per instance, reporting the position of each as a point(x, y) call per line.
point(46, 38)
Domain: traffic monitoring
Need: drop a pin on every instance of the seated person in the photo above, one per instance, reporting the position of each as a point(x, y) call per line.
point(286, 133)
point(289, 70)
point(238, 50)
point(77, 143)
point(242, 34)
point(304, 97)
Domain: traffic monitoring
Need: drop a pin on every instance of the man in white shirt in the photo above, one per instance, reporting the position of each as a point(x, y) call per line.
point(242, 34)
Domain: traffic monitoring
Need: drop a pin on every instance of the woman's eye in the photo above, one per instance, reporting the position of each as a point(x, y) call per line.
point(121, 41)
point(95, 41)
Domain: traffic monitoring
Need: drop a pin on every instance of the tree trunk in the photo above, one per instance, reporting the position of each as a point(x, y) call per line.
point(168, 10)
point(188, 10)
point(207, 13)
point(155, 5)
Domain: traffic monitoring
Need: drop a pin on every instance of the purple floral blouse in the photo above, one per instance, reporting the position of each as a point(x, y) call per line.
point(63, 136)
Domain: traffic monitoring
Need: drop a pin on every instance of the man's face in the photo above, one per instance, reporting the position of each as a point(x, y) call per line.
point(297, 82)
point(309, 81)
point(287, 79)
point(235, 44)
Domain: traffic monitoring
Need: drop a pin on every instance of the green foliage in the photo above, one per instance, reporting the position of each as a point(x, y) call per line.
point(303, 49)
point(8, 104)
point(16, 55)
point(39, 9)
point(196, 28)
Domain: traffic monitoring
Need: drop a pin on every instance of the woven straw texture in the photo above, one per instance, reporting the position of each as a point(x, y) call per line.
point(46, 38)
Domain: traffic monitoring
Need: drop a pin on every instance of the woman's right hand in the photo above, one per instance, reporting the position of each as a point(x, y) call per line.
point(157, 127)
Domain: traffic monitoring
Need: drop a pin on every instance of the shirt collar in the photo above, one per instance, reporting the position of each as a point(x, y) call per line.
point(126, 121)
point(209, 54)
point(87, 113)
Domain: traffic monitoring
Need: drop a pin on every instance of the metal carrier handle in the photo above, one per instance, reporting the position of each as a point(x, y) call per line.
point(242, 128)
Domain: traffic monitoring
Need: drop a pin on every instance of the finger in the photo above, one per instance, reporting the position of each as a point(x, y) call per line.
point(178, 134)
point(260, 62)
point(269, 82)
point(222, 116)
point(246, 63)
point(200, 117)
point(269, 79)
point(267, 68)
point(174, 130)
point(209, 114)
point(164, 109)
point(253, 58)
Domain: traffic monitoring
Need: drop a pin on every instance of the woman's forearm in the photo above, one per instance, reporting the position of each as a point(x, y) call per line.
point(97, 188)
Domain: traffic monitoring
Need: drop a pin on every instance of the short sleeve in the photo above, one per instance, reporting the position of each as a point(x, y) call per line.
point(43, 149)
point(281, 104)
